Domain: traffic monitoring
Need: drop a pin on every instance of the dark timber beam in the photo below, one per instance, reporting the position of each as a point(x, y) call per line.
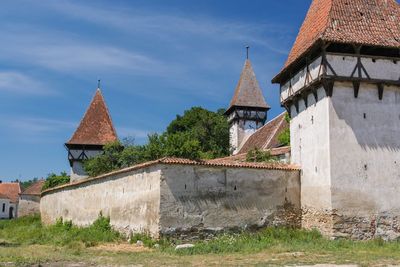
point(380, 90)
point(328, 86)
point(356, 87)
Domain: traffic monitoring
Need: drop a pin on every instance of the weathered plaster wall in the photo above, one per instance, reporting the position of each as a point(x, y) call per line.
point(171, 199)
point(309, 135)
point(199, 199)
point(28, 205)
point(131, 200)
point(365, 161)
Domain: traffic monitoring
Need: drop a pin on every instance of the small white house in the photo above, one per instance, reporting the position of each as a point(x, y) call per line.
point(9, 196)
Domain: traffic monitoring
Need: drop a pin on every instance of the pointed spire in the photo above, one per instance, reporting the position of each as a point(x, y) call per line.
point(96, 127)
point(248, 92)
point(358, 22)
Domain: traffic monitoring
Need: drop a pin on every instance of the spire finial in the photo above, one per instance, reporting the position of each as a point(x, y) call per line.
point(247, 51)
point(98, 83)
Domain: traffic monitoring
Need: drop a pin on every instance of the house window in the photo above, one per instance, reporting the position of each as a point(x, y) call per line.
point(4, 207)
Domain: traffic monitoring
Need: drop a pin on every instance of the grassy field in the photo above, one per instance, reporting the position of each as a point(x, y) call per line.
point(26, 242)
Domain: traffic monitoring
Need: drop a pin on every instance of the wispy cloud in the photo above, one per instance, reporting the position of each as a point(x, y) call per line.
point(60, 54)
point(19, 83)
point(170, 27)
point(34, 129)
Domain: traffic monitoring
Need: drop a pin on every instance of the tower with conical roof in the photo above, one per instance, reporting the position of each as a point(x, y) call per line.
point(94, 131)
point(341, 86)
point(247, 111)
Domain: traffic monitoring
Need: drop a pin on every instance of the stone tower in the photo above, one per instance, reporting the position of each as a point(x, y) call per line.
point(247, 111)
point(95, 130)
point(341, 86)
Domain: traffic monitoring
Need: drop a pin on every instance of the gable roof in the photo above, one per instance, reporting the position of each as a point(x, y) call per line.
point(96, 127)
point(248, 92)
point(267, 136)
point(35, 189)
point(11, 191)
point(360, 22)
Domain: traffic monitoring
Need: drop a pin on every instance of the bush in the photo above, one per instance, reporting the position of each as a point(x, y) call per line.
point(284, 136)
point(257, 155)
point(29, 230)
point(54, 180)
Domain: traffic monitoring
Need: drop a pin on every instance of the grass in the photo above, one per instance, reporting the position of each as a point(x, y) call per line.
point(30, 231)
point(27, 241)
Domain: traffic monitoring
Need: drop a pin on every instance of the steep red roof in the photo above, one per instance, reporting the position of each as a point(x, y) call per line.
point(96, 127)
point(35, 189)
point(363, 22)
point(267, 136)
point(11, 191)
point(248, 92)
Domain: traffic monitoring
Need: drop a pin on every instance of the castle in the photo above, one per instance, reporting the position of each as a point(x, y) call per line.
point(341, 88)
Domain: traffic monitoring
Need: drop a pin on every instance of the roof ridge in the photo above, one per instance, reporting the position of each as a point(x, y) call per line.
point(268, 122)
point(282, 118)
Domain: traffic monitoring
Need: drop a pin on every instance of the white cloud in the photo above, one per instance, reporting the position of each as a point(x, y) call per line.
point(35, 126)
point(170, 27)
point(16, 82)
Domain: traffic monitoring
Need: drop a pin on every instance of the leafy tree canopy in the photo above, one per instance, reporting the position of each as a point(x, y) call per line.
point(54, 180)
point(284, 136)
point(197, 134)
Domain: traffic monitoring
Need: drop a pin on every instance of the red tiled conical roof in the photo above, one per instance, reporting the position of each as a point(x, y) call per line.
point(362, 22)
point(96, 127)
point(248, 92)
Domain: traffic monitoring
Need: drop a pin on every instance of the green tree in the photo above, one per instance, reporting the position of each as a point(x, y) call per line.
point(54, 180)
point(284, 136)
point(197, 134)
point(257, 155)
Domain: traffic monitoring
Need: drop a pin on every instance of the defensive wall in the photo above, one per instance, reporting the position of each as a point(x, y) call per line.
point(182, 197)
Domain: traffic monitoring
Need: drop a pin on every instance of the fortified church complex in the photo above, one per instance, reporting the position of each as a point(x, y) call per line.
point(341, 88)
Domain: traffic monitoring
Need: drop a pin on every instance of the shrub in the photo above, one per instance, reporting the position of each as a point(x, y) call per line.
point(54, 180)
point(257, 155)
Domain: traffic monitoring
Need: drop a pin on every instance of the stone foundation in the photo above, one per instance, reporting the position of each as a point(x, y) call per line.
point(335, 225)
point(383, 226)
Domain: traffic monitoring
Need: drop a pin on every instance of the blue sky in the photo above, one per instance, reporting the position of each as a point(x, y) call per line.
point(155, 59)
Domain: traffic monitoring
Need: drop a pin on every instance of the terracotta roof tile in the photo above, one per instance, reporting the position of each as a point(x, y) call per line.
point(179, 161)
point(267, 136)
point(35, 189)
point(96, 127)
point(11, 191)
point(363, 22)
point(248, 92)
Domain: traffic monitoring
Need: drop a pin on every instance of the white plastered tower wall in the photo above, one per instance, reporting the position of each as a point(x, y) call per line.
point(309, 137)
point(365, 161)
point(347, 145)
point(77, 171)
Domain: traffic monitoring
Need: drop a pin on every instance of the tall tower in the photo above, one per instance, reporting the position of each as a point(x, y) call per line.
point(247, 111)
point(95, 130)
point(341, 86)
